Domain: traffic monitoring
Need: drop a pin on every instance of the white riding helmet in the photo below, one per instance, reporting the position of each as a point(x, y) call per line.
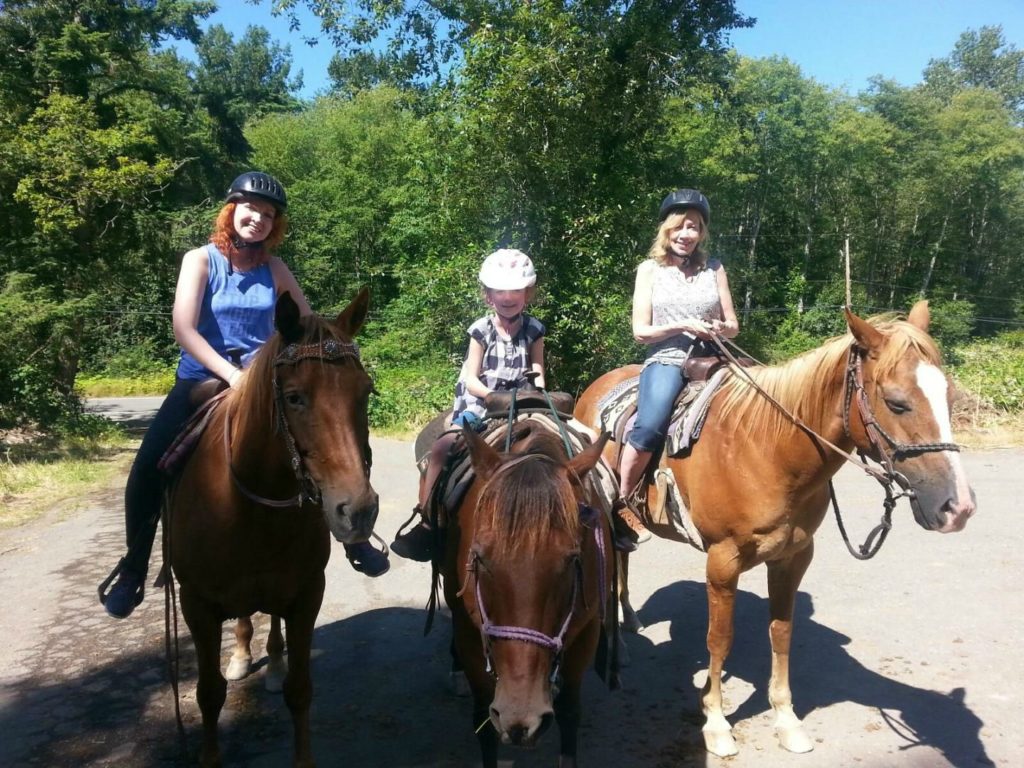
point(508, 270)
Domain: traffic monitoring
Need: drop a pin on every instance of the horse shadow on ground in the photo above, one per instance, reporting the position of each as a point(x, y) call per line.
point(822, 673)
point(381, 699)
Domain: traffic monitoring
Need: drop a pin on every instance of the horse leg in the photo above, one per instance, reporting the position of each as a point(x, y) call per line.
point(784, 578)
point(568, 708)
point(630, 621)
point(277, 667)
point(723, 573)
point(467, 651)
point(241, 660)
point(211, 689)
point(567, 713)
point(298, 683)
point(457, 676)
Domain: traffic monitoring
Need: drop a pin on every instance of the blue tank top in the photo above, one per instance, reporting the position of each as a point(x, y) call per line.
point(237, 313)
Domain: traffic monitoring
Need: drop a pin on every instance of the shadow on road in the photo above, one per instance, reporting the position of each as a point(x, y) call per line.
point(822, 673)
point(380, 698)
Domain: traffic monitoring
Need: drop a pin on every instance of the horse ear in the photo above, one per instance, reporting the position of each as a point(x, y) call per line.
point(920, 316)
point(286, 318)
point(485, 459)
point(352, 317)
point(869, 337)
point(587, 459)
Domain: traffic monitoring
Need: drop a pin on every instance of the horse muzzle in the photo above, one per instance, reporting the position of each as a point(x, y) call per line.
point(521, 729)
point(351, 517)
point(942, 508)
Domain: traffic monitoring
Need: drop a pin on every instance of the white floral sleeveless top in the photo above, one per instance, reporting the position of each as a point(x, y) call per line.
point(675, 297)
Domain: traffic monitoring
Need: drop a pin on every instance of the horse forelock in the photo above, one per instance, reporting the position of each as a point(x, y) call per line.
point(524, 501)
point(903, 339)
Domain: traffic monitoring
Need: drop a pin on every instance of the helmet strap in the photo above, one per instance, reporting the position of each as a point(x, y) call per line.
point(241, 246)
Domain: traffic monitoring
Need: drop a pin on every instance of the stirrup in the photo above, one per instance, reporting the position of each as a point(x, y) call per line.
point(104, 588)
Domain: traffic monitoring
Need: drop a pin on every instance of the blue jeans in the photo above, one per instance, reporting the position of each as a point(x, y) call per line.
point(660, 384)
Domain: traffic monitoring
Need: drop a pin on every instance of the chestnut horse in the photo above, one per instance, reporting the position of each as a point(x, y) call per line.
point(528, 572)
point(757, 484)
point(284, 463)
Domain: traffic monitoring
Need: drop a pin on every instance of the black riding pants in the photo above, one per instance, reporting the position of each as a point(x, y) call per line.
point(144, 490)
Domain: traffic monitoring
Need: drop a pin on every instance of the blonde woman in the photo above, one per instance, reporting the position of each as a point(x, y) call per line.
point(680, 297)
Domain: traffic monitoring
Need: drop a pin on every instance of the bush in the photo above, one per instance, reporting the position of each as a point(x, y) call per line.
point(994, 370)
point(951, 325)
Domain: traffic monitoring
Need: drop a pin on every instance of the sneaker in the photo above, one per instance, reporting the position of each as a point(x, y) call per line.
point(367, 559)
point(124, 596)
point(415, 544)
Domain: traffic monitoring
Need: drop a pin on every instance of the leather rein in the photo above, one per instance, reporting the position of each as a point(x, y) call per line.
point(328, 349)
point(887, 448)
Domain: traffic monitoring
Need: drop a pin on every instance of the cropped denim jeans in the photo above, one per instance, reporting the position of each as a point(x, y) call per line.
point(660, 384)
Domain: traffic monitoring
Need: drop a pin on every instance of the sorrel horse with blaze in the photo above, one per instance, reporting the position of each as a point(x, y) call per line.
point(757, 484)
point(528, 576)
point(283, 464)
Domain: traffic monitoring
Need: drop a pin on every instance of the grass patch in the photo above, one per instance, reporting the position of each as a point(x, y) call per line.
point(40, 472)
point(144, 385)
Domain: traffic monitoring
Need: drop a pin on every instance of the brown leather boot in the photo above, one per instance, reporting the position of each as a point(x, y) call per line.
point(628, 529)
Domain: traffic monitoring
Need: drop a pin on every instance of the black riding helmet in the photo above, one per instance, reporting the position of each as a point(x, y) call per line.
point(257, 184)
point(682, 199)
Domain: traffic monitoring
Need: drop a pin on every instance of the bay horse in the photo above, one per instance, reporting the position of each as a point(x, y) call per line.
point(528, 575)
point(756, 482)
point(283, 464)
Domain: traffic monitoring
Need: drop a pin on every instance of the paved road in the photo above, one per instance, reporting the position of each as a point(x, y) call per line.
point(911, 659)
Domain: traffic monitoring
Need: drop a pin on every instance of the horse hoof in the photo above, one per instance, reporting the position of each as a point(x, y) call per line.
point(720, 743)
point(273, 679)
point(794, 740)
point(239, 668)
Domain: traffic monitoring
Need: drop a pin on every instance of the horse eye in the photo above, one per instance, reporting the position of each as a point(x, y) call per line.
point(897, 406)
point(294, 399)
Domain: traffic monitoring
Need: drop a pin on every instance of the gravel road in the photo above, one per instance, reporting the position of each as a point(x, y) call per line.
point(910, 659)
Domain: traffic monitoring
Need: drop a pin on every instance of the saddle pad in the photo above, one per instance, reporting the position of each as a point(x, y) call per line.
point(175, 456)
point(617, 411)
point(454, 481)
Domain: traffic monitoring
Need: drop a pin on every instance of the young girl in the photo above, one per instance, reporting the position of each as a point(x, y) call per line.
point(504, 346)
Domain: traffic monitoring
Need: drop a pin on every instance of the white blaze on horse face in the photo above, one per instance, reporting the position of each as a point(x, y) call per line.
point(935, 386)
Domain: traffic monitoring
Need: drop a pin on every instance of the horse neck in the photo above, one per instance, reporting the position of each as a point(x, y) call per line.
point(258, 451)
point(810, 389)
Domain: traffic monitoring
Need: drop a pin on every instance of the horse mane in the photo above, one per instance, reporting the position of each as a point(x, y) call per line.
point(809, 384)
point(253, 405)
point(525, 502)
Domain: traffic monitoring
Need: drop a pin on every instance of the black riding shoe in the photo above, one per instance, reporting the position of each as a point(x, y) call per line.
point(124, 596)
point(367, 559)
point(415, 544)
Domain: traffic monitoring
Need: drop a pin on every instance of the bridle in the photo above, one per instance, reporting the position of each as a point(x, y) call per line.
point(854, 387)
point(329, 349)
point(888, 477)
point(590, 519)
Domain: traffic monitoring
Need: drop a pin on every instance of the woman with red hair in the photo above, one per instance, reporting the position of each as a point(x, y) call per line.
point(223, 313)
